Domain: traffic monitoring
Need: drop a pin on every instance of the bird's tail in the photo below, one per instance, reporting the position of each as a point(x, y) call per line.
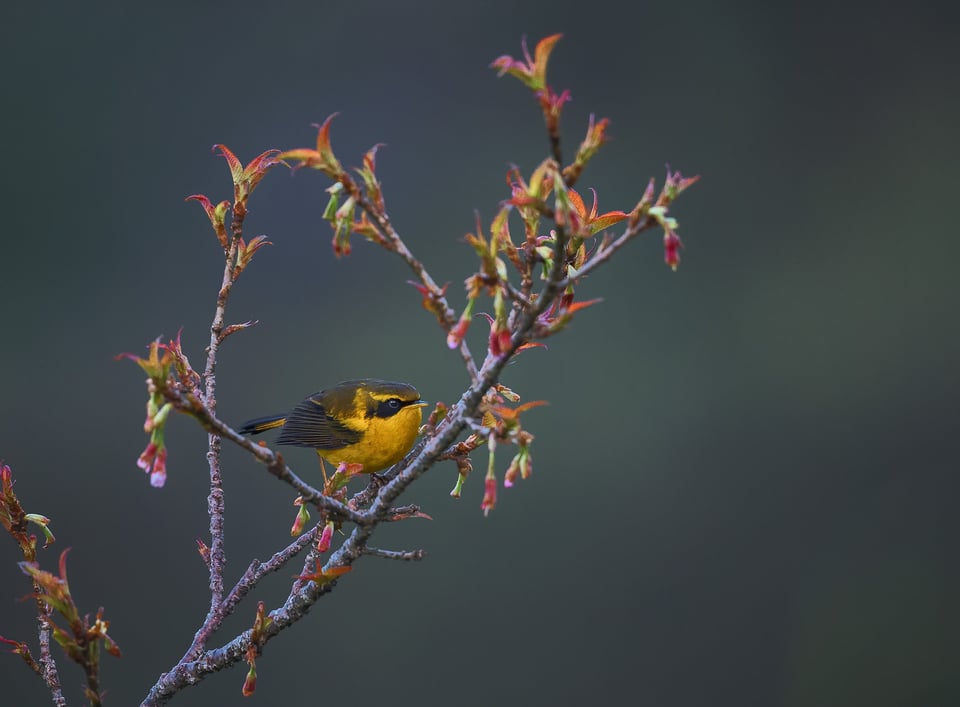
point(261, 424)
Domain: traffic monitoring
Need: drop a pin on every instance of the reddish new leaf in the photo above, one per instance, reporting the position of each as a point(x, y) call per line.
point(236, 168)
point(322, 576)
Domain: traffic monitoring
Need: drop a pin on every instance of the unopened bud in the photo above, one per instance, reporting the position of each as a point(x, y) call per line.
point(323, 544)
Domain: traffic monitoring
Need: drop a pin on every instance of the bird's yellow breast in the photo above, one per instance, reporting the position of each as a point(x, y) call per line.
point(383, 440)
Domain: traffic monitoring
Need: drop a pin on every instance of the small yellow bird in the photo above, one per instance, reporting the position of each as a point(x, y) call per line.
point(365, 421)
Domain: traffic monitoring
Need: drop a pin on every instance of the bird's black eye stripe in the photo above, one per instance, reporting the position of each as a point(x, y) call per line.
point(390, 407)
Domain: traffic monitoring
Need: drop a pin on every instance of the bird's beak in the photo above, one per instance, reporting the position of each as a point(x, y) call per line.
point(419, 404)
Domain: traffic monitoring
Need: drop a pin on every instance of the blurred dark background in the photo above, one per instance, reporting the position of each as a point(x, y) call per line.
point(744, 489)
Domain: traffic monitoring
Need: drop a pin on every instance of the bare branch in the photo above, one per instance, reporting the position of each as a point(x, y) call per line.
point(255, 572)
point(215, 499)
point(48, 665)
point(234, 328)
point(398, 246)
point(395, 554)
point(516, 295)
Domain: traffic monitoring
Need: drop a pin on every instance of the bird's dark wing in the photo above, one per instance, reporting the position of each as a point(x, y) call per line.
point(309, 425)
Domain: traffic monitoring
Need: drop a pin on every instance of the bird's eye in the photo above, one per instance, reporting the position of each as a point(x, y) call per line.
point(387, 408)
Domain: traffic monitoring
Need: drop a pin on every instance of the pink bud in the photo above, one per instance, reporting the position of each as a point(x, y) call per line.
point(512, 472)
point(250, 684)
point(671, 248)
point(455, 337)
point(301, 520)
point(145, 461)
point(489, 494)
point(323, 544)
point(158, 476)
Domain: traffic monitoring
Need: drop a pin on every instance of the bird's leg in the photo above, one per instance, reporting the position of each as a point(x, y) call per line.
point(323, 470)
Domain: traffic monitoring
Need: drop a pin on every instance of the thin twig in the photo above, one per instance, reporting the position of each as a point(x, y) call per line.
point(234, 651)
point(602, 255)
point(398, 513)
point(516, 295)
point(400, 248)
point(244, 585)
point(215, 499)
point(92, 670)
point(556, 150)
point(257, 570)
point(366, 495)
point(48, 665)
point(395, 554)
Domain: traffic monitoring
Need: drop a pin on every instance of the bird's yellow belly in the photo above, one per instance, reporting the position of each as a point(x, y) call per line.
point(381, 446)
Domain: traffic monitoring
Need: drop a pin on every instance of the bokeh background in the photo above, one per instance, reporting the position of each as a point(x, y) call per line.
point(745, 483)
